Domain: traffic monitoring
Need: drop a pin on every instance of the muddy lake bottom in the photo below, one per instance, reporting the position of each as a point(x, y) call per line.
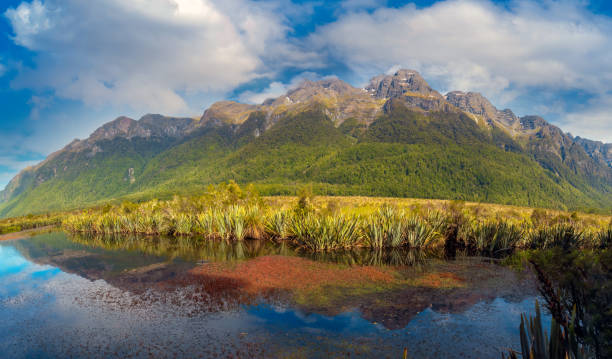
point(65, 296)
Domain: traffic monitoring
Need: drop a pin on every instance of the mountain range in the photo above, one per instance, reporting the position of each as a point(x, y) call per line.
point(395, 137)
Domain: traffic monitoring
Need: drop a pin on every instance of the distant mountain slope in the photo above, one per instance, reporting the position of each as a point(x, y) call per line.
point(599, 151)
point(396, 137)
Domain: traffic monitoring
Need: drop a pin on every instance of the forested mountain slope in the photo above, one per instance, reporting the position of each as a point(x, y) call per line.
point(396, 137)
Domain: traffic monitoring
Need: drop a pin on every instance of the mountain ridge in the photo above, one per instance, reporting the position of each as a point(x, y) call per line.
point(226, 127)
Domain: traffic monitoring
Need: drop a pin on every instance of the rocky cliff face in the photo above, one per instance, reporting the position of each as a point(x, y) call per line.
point(475, 103)
point(599, 151)
point(148, 126)
point(410, 88)
point(339, 99)
point(340, 102)
point(403, 82)
point(227, 112)
point(537, 136)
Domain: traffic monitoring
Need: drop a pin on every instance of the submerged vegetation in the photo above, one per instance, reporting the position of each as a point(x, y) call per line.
point(228, 212)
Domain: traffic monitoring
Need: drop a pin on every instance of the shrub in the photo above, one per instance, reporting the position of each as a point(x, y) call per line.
point(493, 237)
point(565, 236)
point(385, 228)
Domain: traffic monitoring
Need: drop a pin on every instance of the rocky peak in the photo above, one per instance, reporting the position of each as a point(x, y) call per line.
point(333, 86)
point(307, 90)
point(532, 122)
point(231, 112)
point(545, 137)
point(118, 127)
point(475, 103)
point(163, 126)
point(147, 126)
point(403, 82)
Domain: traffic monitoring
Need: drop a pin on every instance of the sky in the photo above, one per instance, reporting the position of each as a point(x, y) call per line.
point(69, 66)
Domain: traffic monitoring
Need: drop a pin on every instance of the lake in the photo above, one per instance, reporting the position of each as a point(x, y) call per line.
point(70, 296)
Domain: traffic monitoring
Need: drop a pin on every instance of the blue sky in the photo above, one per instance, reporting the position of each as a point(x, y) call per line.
point(68, 66)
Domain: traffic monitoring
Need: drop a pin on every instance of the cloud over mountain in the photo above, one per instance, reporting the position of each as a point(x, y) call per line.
point(90, 60)
point(503, 51)
point(147, 54)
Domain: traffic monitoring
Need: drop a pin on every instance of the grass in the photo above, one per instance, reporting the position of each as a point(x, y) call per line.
point(23, 223)
point(228, 212)
point(402, 153)
point(492, 237)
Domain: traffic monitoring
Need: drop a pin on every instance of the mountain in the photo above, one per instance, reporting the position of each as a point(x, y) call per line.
point(599, 151)
point(395, 137)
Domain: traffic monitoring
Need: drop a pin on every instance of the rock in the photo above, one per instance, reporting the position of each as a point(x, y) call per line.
point(401, 83)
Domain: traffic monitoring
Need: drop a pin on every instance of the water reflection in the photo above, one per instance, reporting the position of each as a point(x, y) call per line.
point(375, 257)
point(260, 298)
point(198, 249)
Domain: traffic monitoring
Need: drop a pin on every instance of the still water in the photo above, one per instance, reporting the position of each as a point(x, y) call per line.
point(64, 296)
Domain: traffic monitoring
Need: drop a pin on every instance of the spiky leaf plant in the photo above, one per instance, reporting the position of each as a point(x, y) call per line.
point(418, 233)
point(536, 343)
point(565, 236)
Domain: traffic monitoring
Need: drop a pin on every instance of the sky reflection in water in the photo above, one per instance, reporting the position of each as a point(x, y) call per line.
point(60, 298)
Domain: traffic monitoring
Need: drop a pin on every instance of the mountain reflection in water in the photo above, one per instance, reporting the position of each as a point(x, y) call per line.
point(259, 298)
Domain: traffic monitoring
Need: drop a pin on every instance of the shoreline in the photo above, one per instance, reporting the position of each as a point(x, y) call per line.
point(25, 233)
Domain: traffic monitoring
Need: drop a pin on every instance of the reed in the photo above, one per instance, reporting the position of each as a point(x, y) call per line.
point(493, 237)
point(276, 225)
point(385, 228)
point(603, 239)
point(317, 232)
point(566, 236)
point(232, 214)
point(419, 233)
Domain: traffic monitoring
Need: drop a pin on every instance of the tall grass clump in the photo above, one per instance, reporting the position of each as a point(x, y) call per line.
point(566, 236)
point(183, 224)
point(419, 233)
point(277, 224)
point(29, 221)
point(225, 212)
point(603, 239)
point(231, 213)
point(385, 228)
point(492, 237)
point(317, 232)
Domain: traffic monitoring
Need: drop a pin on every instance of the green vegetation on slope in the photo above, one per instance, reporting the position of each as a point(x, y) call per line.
point(403, 153)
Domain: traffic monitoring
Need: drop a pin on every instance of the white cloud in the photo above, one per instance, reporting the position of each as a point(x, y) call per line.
point(478, 46)
point(167, 55)
point(594, 122)
point(28, 20)
point(148, 54)
point(10, 165)
point(276, 88)
point(38, 104)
